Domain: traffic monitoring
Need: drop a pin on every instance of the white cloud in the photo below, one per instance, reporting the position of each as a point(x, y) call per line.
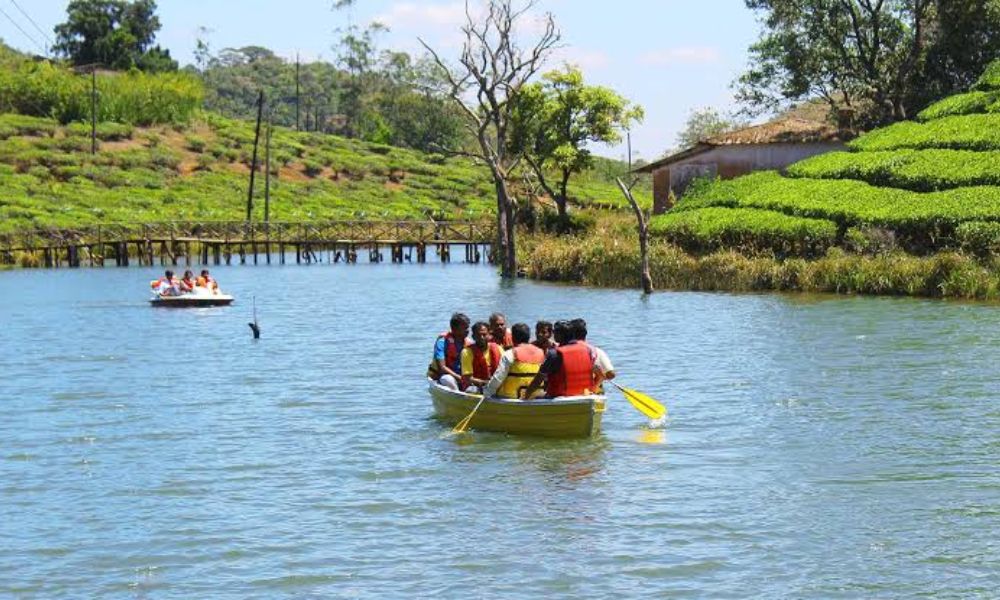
point(423, 15)
point(685, 55)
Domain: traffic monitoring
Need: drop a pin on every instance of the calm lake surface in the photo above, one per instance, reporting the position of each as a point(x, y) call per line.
point(817, 447)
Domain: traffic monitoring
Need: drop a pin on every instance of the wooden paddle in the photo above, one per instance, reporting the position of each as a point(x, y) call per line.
point(462, 425)
point(643, 403)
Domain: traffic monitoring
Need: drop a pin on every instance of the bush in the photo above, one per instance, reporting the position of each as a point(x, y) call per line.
point(960, 104)
point(106, 132)
point(312, 168)
point(572, 223)
point(979, 238)
point(917, 170)
point(990, 79)
point(960, 132)
point(195, 143)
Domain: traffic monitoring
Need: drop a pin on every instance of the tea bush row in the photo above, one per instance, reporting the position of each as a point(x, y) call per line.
point(917, 170)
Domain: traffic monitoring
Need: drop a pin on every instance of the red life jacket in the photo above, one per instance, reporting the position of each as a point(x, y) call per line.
point(452, 355)
point(576, 377)
point(481, 370)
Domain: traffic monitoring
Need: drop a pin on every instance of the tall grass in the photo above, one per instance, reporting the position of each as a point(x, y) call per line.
point(47, 90)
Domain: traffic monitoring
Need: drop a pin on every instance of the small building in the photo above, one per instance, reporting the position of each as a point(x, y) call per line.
point(771, 146)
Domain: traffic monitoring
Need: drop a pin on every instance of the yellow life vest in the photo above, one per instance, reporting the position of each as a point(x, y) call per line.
point(527, 361)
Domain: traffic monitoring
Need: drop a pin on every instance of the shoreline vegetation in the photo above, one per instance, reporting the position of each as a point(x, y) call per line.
point(608, 256)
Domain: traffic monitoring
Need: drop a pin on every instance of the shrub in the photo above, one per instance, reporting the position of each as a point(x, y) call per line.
point(106, 132)
point(74, 144)
point(204, 163)
point(572, 223)
point(195, 143)
point(990, 79)
point(979, 238)
point(312, 168)
point(959, 104)
point(959, 132)
point(917, 170)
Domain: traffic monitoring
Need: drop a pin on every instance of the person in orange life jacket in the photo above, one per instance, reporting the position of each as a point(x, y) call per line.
point(446, 363)
point(187, 282)
point(568, 369)
point(167, 285)
point(499, 332)
point(481, 359)
point(208, 282)
point(603, 369)
point(543, 336)
point(518, 366)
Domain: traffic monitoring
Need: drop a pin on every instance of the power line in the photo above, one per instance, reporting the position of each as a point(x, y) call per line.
point(14, 23)
point(32, 21)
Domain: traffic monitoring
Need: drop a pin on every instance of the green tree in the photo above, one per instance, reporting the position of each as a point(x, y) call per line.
point(557, 118)
point(115, 33)
point(703, 124)
point(885, 59)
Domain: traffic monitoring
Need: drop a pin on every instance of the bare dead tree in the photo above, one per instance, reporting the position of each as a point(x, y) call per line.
point(647, 281)
point(491, 70)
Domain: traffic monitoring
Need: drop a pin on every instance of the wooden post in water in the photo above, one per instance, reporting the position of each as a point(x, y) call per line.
point(253, 162)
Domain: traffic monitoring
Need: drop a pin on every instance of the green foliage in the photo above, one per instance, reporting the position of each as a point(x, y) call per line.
point(45, 90)
point(746, 230)
point(703, 124)
point(117, 34)
point(961, 132)
point(962, 104)
point(571, 223)
point(917, 170)
point(195, 143)
point(990, 79)
point(979, 238)
point(106, 132)
point(26, 125)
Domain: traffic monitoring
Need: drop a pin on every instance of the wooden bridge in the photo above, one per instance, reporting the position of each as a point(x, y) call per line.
point(215, 242)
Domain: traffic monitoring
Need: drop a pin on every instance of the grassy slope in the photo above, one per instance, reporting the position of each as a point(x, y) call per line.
point(201, 172)
point(929, 183)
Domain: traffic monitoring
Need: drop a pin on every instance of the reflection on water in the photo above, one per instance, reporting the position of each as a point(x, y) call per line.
point(816, 446)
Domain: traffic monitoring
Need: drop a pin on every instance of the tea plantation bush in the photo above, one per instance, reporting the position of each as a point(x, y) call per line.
point(960, 132)
point(917, 170)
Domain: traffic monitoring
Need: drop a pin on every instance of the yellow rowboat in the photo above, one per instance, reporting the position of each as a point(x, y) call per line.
point(572, 416)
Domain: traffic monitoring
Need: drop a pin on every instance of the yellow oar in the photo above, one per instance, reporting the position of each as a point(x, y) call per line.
point(643, 403)
point(464, 423)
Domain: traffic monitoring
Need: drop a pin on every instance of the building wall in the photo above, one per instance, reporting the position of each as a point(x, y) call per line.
point(728, 162)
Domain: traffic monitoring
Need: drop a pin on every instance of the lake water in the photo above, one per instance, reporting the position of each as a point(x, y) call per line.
point(817, 447)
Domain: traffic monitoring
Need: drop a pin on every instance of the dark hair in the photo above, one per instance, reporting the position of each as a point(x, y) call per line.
point(459, 319)
point(543, 325)
point(493, 317)
point(169, 273)
point(478, 324)
point(562, 332)
point(204, 271)
point(579, 328)
point(520, 333)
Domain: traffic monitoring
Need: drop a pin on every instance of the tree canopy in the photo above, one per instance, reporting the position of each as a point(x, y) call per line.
point(114, 33)
point(885, 59)
point(703, 124)
point(556, 118)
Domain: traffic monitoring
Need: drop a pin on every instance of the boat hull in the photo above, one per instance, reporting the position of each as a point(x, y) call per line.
point(576, 416)
point(191, 301)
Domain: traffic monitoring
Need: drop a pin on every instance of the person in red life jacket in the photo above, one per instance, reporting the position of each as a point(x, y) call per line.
point(167, 285)
point(499, 332)
point(603, 369)
point(481, 359)
point(518, 366)
point(446, 363)
point(187, 282)
point(543, 336)
point(568, 369)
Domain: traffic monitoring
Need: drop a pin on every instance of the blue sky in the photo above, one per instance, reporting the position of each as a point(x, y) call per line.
point(670, 56)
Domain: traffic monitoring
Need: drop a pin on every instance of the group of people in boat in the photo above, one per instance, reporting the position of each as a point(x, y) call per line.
point(507, 363)
point(169, 285)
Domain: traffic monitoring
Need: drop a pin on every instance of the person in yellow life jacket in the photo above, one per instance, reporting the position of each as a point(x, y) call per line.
point(481, 359)
point(518, 366)
point(208, 282)
point(446, 362)
point(568, 370)
point(167, 285)
point(499, 332)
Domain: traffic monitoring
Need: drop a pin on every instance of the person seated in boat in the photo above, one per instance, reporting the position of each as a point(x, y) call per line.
point(205, 280)
point(188, 282)
point(603, 369)
point(543, 336)
point(446, 363)
point(499, 333)
point(481, 359)
point(168, 285)
point(568, 369)
point(518, 366)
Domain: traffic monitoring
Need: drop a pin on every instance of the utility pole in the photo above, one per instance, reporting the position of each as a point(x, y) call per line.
point(297, 99)
point(267, 168)
point(253, 163)
point(93, 109)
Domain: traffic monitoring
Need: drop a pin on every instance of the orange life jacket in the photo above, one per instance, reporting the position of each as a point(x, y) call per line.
point(576, 377)
point(480, 369)
point(508, 340)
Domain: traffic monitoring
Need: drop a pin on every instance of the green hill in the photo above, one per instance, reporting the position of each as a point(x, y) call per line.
point(921, 186)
